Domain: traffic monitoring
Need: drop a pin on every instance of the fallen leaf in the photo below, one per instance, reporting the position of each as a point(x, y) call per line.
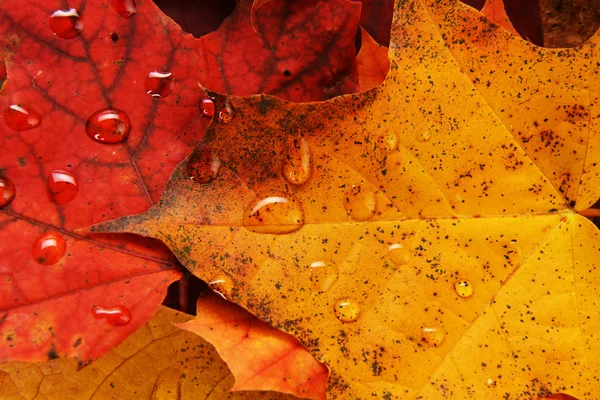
point(372, 62)
point(272, 359)
point(158, 361)
point(420, 239)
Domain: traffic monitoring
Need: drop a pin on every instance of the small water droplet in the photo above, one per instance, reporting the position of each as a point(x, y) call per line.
point(323, 275)
point(203, 165)
point(464, 288)
point(21, 118)
point(109, 125)
point(116, 316)
point(226, 114)
point(346, 310)
point(125, 8)
point(222, 285)
point(490, 382)
point(424, 136)
point(399, 254)
point(296, 166)
point(49, 248)
point(62, 187)
point(7, 191)
point(360, 203)
point(66, 24)
point(159, 84)
point(387, 142)
point(275, 214)
point(207, 107)
point(433, 336)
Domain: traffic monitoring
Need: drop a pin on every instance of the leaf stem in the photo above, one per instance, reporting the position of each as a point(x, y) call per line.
point(590, 212)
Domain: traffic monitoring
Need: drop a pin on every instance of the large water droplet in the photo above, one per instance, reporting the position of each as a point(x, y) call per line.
point(222, 285)
point(207, 107)
point(274, 214)
point(159, 84)
point(62, 187)
point(49, 248)
point(66, 24)
point(226, 114)
point(125, 8)
point(296, 164)
point(323, 275)
point(7, 191)
point(360, 203)
point(424, 136)
point(387, 142)
point(346, 310)
point(203, 165)
point(464, 288)
point(433, 336)
point(21, 118)
point(116, 316)
point(399, 254)
point(108, 125)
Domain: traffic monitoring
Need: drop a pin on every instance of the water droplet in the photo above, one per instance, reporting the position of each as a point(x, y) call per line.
point(125, 8)
point(490, 382)
point(360, 203)
point(464, 288)
point(20, 118)
point(296, 164)
point(387, 142)
point(323, 275)
point(7, 191)
point(116, 316)
point(49, 248)
point(159, 84)
point(433, 336)
point(207, 107)
point(347, 310)
point(399, 254)
point(62, 187)
point(108, 125)
point(66, 24)
point(424, 136)
point(203, 166)
point(222, 285)
point(226, 114)
point(274, 214)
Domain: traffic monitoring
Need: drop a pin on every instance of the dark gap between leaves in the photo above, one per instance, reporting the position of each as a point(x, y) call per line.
point(197, 17)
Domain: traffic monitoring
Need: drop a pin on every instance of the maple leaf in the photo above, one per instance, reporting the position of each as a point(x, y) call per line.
point(421, 238)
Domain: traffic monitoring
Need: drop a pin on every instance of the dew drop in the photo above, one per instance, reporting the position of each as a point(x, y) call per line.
point(464, 288)
point(7, 191)
point(222, 285)
point(159, 84)
point(296, 164)
point(203, 165)
point(323, 274)
point(62, 187)
point(207, 107)
point(109, 125)
point(274, 214)
point(125, 8)
point(20, 118)
point(347, 310)
point(49, 248)
point(226, 114)
point(116, 316)
point(360, 203)
point(424, 136)
point(66, 24)
point(433, 336)
point(399, 254)
point(387, 142)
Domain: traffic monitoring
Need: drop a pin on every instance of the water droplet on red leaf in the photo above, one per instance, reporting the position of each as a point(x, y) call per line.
point(109, 125)
point(116, 316)
point(66, 24)
point(7, 191)
point(125, 8)
point(207, 106)
point(62, 187)
point(49, 248)
point(159, 84)
point(21, 118)
point(204, 165)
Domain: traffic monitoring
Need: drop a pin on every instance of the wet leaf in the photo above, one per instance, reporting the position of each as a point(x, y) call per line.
point(434, 250)
point(272, 359)
point(158, 361)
